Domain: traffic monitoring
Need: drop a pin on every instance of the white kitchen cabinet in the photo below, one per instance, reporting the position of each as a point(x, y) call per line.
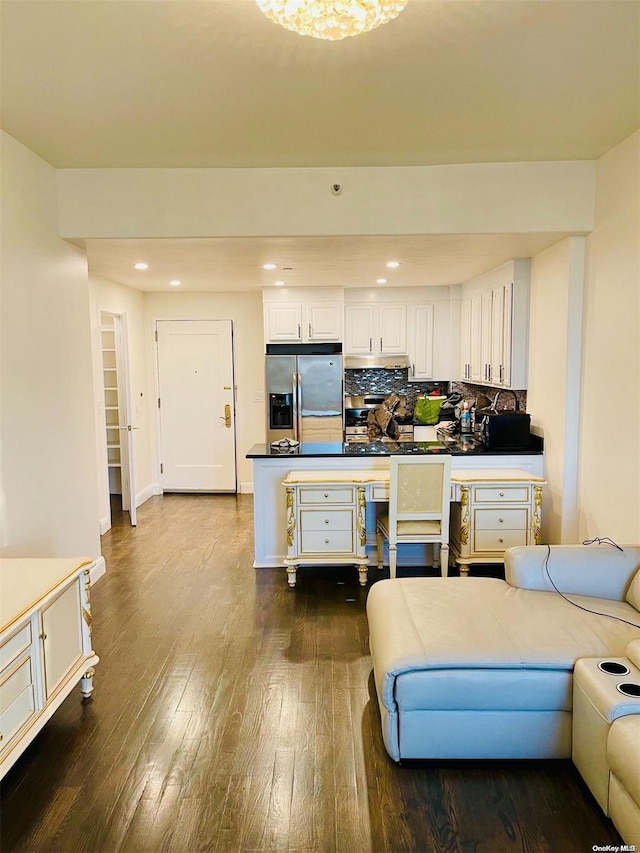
point(303, 322)
point(429, 341)
point(375, 329)
point(494, 327)
point(493, 511)
point(45, 645)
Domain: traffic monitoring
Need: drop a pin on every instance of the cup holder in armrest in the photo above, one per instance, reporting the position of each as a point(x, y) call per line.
point(613, 667)
point(628, 688)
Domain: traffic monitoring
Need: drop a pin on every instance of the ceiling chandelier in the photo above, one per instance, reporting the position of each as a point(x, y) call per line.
point(331, 19)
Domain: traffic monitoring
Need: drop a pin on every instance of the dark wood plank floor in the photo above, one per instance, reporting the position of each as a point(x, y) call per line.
point(234, 714)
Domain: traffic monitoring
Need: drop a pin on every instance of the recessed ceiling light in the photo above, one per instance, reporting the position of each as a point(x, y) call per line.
point(279, 283)
point(381, 281)
point(268, 266)
point(175, 282)
point(393, 265)
point(141, 266)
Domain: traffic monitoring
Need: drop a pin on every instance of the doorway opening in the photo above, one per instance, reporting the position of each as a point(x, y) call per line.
point(118, 428)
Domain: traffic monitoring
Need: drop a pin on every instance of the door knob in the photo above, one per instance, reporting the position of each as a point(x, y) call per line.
point(227, 416)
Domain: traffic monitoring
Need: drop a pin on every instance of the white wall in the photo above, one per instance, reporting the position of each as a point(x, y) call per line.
point(245, 312)
point(115, 298)
point(49, 481)
point(555, 333)
point(477, 198)
point(610, 409)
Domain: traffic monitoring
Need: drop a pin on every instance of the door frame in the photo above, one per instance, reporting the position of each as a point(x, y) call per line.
point(123, 370)
point(156, 381)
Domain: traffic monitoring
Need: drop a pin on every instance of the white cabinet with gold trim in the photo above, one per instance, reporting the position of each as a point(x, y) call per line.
point(45, 645)
point(492, 511)
point(325, 513)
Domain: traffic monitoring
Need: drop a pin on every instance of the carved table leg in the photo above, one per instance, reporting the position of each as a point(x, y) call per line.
point(363, 575)
point(291, 575)
point(86, 683)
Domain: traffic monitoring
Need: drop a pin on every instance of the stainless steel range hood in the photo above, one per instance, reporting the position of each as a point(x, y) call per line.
point(381, 362)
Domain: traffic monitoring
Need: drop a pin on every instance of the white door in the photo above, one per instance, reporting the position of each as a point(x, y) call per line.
point(197, 419)
point(125, 418)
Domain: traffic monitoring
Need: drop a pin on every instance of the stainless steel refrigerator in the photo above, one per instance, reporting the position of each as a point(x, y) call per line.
point(304, 392)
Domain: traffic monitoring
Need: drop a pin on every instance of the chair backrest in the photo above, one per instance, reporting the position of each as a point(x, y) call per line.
point(420, 489)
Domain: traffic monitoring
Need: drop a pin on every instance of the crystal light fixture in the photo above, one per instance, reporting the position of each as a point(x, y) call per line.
point(331, 19)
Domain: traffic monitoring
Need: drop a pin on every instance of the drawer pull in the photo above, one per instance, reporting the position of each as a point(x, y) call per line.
point(326, 541)
point(43, 636)
point(501, 520)
point(501, 541)
point(326, 521)
point(1, 738)
point(501, 494)
point(326, 494)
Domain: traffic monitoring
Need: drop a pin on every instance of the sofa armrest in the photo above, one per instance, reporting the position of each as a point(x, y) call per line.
point(601, 571)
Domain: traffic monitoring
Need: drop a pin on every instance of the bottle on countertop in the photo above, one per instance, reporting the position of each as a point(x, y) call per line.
point(465, 419)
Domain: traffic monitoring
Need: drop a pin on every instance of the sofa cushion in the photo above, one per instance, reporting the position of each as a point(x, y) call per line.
point(484, 623)
point(484, 690)
point(633, 593)
point(623, 753)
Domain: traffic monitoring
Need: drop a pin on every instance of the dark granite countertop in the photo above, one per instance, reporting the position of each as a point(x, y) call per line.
point(460, 447)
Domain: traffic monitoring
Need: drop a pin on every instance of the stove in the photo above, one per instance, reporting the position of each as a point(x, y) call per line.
point(356, 413)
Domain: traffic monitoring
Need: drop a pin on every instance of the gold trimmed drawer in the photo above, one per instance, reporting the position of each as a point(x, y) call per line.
point(327, 542)
point(326, 495)
point(502, 494)
point(15, 646)
point(315, 519)
point(498, 540)
point(17, 701)
point(501, 519)
point(380, 492)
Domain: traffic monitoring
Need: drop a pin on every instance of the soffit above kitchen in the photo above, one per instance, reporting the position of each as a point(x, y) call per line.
point(214, 83)
point(236, 264)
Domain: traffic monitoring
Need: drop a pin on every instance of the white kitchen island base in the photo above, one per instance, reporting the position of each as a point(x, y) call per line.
point(269, 501)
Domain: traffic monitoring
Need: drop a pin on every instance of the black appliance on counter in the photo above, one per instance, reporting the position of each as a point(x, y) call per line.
point(502, 429)
point(356, 414)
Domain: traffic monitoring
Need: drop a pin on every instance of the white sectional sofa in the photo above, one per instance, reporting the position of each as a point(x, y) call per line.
point(483, 668)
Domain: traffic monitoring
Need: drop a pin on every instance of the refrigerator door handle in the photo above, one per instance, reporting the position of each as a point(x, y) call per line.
point(294, 405)
point(298, 412)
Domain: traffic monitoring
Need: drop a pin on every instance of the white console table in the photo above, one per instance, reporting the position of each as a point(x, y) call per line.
point(45, 645)
point(491, 511)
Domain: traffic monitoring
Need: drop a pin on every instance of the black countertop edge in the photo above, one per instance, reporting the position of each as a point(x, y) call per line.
point(372, 449)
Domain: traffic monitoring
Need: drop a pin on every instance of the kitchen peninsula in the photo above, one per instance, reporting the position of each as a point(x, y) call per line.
point(271, 467)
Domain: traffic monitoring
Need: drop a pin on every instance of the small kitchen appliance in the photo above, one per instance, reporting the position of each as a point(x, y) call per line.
point(356, 414)
point(505, 429)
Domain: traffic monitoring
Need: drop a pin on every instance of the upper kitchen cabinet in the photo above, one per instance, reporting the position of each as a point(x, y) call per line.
point(429, 338)
point(375, 329)
point(495, 325)
point(295, 317)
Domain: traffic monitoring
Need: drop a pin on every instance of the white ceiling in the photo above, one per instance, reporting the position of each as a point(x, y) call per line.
point(213, 83)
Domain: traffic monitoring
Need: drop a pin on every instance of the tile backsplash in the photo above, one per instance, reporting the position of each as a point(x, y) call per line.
point(506, 400)
point(357, 382)
point(361, 381)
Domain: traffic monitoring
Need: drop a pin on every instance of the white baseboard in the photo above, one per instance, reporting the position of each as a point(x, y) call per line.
point(149, 492)
point(245, 488)
point(98, 569)
point(105, 524)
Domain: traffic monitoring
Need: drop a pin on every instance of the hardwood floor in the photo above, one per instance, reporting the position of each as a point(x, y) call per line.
point(234, 714)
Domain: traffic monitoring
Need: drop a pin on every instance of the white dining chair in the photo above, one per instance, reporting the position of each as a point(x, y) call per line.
point(419, 502)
